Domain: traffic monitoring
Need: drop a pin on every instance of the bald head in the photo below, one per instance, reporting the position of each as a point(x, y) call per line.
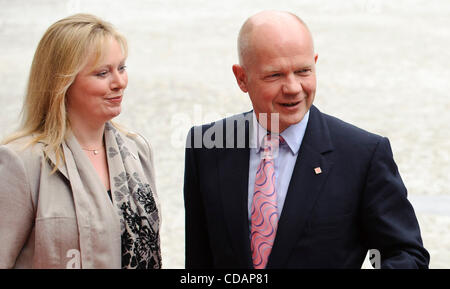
point(275, 23)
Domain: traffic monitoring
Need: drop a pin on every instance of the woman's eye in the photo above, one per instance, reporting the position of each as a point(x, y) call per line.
point(122, 68)
point(102, 73)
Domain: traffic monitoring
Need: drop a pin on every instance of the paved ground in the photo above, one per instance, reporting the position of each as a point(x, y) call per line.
point(383, 65)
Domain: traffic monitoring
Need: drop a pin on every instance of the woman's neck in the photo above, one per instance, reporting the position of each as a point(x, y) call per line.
point(88, 135)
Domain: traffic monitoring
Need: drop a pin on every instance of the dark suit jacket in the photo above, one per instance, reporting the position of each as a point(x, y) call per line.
point(329, 220)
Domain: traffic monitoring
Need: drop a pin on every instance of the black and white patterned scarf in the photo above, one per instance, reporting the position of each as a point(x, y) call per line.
point(135, 201)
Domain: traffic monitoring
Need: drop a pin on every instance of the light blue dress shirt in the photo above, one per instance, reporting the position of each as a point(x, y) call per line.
point(284, 162)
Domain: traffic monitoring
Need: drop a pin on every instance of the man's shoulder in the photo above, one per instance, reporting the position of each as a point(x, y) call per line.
point(343, 130)
point(230, 123)
point(229, 132)
point(346, 139)
point(236, 119)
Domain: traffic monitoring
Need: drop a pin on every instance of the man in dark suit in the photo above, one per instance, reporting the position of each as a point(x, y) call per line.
point(284, 185)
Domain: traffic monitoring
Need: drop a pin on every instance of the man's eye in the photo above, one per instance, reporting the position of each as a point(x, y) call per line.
point(122, 68)
point(303, 71)
point(274, 75)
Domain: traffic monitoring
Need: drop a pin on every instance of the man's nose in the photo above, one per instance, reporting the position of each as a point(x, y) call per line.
point(292, 85)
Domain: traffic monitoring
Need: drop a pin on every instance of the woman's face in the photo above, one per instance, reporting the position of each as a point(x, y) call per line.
point(96, 94)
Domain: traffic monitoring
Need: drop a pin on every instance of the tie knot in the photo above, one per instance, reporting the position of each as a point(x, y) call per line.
point(273, 139)
point(270, 145)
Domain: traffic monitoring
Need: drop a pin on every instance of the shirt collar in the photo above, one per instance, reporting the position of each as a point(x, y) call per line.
point(293, 135)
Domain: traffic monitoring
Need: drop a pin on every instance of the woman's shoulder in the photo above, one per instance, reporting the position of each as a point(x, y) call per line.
point(142, 144)
point(25, 147)
point(22, 157)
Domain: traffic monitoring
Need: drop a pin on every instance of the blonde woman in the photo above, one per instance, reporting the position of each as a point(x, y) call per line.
point(76, 191)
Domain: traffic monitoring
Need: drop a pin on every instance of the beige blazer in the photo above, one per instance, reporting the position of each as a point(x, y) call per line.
point(38, 223)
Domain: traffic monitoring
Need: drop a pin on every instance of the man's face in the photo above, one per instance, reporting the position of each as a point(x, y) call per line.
point(279, 76)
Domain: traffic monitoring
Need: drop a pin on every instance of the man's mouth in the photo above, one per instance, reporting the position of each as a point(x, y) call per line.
point(290, 104)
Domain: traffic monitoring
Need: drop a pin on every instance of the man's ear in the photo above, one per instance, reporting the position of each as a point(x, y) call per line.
point(241, 77)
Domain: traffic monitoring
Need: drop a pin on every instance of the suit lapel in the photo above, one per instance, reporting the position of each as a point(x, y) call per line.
point(233, 165)
point(304, 188)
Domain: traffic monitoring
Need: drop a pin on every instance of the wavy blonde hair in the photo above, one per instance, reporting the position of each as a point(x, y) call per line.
point(61, 54)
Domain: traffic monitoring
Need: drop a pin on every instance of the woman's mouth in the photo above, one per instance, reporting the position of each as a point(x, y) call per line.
point(115, 98)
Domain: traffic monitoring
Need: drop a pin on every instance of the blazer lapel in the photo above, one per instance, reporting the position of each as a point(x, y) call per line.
point(61, 167)
point(304, 188)
point(233, 166)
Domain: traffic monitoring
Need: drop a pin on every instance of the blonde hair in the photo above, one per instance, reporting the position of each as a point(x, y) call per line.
point(61, 54)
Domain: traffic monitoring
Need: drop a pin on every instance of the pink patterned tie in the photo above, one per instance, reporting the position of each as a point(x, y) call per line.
point(264, 215)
